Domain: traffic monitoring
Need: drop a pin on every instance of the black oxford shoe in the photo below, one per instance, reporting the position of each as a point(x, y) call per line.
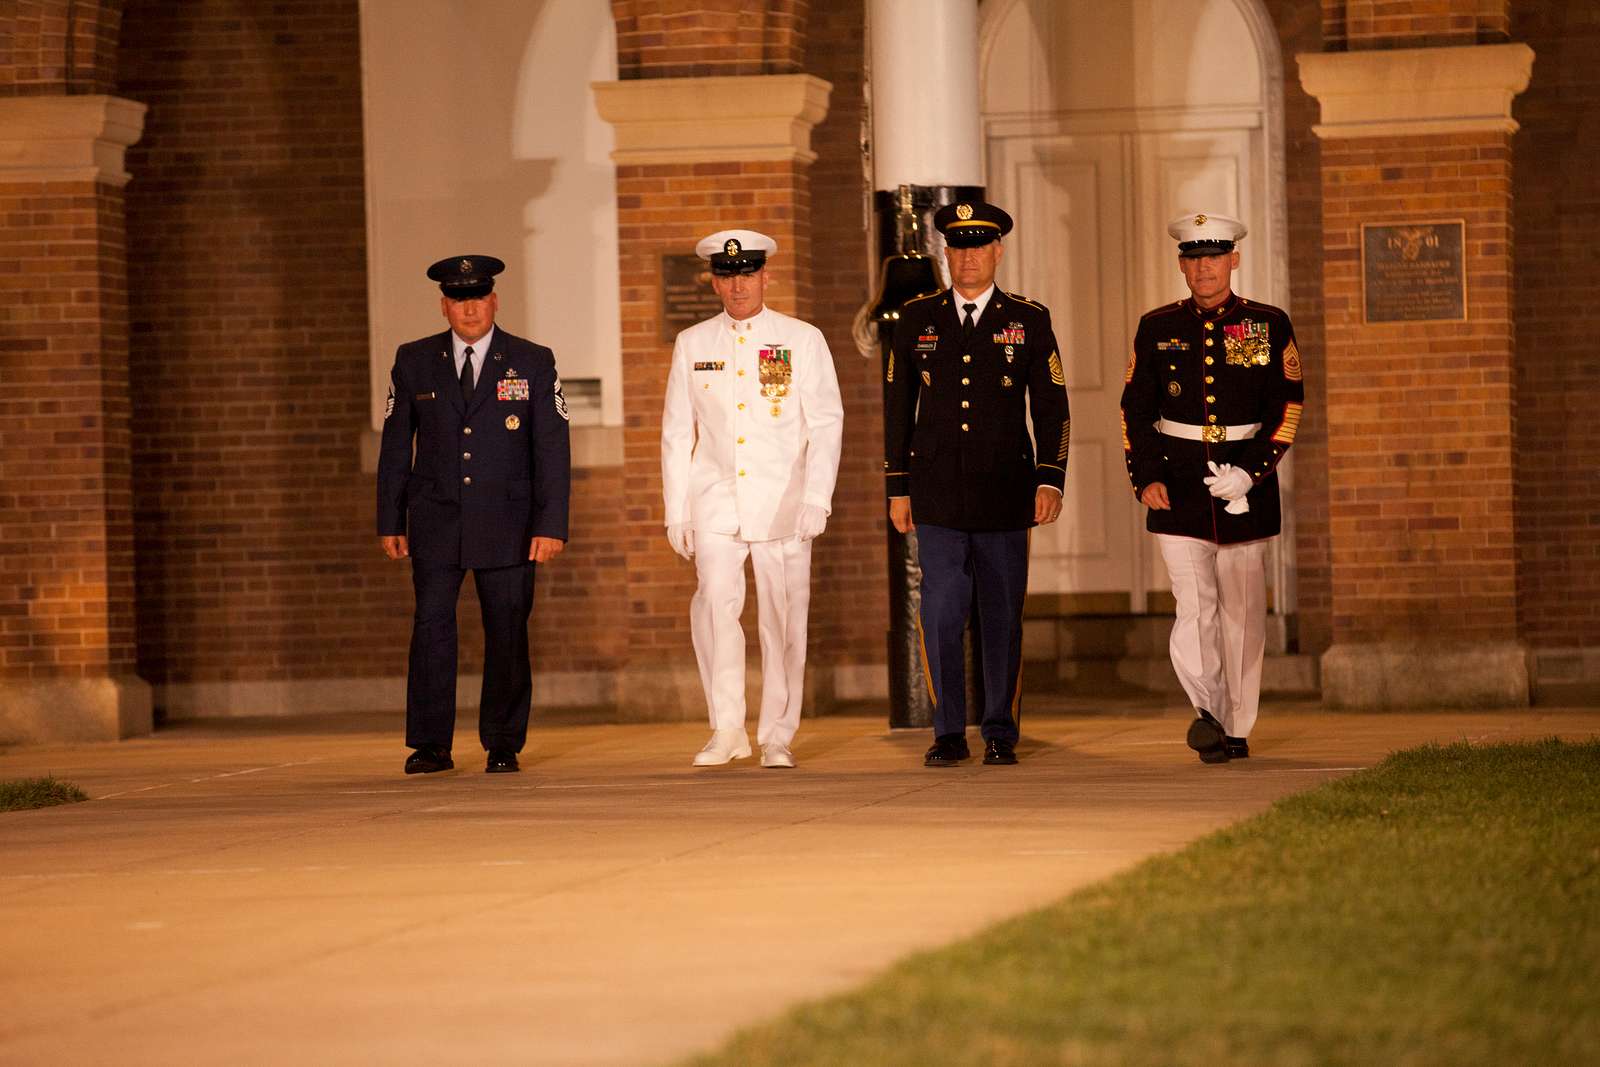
point(427, 759)
point(1207, 739)
point(999, 752)
point(947, 751)
point(1238, 747)
point(501, 761)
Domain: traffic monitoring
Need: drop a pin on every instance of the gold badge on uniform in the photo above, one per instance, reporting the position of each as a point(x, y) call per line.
point(1199, 220)
point(466, 266)
point(1005, 381)
point(927, 379)
point(963, 212)
point(1247, 344)
point(777, 369)
point(1173, 389)
point(512, 422)
point(1291, 361)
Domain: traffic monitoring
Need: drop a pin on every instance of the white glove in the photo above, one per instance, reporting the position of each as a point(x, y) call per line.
point(681, 537)
point(810, 522)
point(1230, 483)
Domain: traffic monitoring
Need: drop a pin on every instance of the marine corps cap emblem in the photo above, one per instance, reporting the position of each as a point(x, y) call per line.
point(963, 212)
point(466, 266)
point(732, 248)
point(1199, 220)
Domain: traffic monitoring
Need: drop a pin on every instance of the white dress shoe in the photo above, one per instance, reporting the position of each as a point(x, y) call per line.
point(724, 745)
point(774, 754)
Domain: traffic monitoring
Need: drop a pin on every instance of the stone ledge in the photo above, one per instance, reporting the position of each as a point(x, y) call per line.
point(1392, 676)
point(759, 117)
point(67, 138)
point(74, 709)
point(1410, 92)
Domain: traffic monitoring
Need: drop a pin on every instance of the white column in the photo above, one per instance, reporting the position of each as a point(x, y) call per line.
point(925, 128)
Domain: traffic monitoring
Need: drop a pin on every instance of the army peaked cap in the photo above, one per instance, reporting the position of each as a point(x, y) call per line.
point(971, 224)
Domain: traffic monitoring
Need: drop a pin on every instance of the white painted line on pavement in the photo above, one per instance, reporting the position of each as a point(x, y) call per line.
point(207, 778)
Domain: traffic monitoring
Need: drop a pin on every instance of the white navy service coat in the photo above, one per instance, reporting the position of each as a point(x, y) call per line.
point(734, 461)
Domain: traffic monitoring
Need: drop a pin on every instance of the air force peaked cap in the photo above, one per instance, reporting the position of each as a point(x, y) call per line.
point(1201, 233)
point(735, 251)
point(466, 277)
point(971, 224)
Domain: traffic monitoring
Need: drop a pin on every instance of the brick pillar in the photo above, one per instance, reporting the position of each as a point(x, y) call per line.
point(66, 530)
point(1421, 414)
point(694, 154)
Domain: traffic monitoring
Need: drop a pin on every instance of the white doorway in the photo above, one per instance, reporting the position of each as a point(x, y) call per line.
point(1102, 122)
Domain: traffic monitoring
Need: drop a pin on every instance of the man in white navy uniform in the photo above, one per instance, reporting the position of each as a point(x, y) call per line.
point(1210, 405)
point(750, 440)
point(474, 474)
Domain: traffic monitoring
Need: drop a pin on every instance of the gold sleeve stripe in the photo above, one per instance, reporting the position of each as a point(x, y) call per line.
point(1291, 362)
point(1055, 370)
point(1066, 436)
point(1133, 359)
point(1291, 422)
point(889, 377)
point(1127, 445)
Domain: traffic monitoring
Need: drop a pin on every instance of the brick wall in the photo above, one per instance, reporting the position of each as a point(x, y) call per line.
point(1557, 261)
point(1420, 415)
point(257, 557)
point(66, 547)
point(849, 606)
point(704, 38)
point(1360, 24)
point(58, 46)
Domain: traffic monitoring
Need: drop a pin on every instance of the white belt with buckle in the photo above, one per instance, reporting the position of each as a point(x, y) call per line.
point(1212, 435)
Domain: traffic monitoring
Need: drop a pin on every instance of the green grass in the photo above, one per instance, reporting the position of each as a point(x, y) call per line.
point(22, 793)
point(1440, 908)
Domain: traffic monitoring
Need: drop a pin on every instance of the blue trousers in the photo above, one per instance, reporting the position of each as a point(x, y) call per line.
point(505, 598)
point(962, 572)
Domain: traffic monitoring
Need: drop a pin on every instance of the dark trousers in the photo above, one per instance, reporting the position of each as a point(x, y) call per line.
point(962, 572)
point(505, 595)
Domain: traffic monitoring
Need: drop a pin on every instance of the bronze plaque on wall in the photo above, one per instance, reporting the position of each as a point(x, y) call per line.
point(686, 294)
point(1414, 272)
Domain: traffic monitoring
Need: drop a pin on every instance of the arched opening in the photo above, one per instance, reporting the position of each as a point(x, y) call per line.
point(1102, 122)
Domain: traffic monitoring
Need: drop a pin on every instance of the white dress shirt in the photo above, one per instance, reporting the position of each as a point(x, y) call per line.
point(480, 349)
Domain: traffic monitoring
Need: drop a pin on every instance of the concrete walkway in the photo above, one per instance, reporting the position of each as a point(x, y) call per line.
point(279, 893)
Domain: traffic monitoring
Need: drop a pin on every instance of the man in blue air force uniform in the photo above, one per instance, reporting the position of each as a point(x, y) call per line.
point(1210, 405)
point(968, 365)
point(486, 493)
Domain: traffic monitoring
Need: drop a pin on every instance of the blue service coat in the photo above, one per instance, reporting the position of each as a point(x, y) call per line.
point(487, 477)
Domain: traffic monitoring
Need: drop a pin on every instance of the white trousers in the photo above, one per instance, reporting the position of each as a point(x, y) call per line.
point(783, 600)
point(1220, 635)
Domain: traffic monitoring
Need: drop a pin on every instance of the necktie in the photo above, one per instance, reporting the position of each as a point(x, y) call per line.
point(466, 376)
point(967, 321)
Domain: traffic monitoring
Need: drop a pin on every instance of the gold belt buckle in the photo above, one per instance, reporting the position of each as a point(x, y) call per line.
point(1213, 435)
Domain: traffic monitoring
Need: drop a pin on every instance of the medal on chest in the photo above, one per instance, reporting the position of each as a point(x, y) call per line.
point(776, 371)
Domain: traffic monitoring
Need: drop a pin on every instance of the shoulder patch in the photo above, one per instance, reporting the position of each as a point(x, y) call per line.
point(1163, 309)
point(1024, 300)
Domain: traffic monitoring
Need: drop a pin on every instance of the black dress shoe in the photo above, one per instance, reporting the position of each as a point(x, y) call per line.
point(501, 761)
point(427, 759)
point(1238, 747)
point(947, 751)
point(999, 752)
point(1207, 739)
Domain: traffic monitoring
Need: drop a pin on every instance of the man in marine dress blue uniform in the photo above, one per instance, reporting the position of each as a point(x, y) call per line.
point(1210, 405)
point(967, 366)
point(487, 492)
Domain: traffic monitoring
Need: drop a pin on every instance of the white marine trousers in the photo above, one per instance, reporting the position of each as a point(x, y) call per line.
point(783, 600)
point(1220, 636)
